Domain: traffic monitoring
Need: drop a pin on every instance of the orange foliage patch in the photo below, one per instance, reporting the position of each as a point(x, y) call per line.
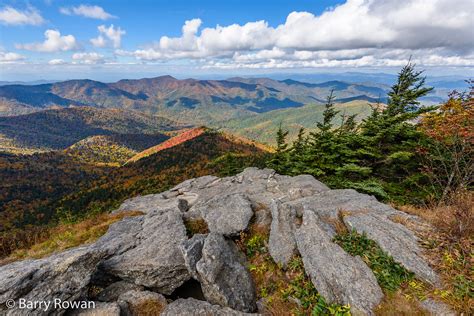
point(174, 141)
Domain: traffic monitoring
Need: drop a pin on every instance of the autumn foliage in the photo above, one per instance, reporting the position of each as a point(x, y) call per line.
point(449, 155)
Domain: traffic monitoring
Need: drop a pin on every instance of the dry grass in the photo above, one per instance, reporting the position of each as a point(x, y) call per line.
point(147, 308)
point(196, 226)
point(455, 217)
point(450, 247)
point(66, 236)
point(397, 304)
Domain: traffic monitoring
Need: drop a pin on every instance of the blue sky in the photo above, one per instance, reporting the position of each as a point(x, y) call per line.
point(53, 39)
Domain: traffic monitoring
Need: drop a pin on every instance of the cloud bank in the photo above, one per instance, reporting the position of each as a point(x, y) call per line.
point(354, 34)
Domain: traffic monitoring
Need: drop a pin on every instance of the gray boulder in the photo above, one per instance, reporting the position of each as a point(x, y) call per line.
point(100, 309)
point(192, 253)
point(435, 308)
point(227, 215)
point(191, 306)
point(155, 261)
point(221, 271)
point(63, 276)
point(364, 213)
point(112, 292)
point(338, 277)
point(282, 244)
point(121, 236)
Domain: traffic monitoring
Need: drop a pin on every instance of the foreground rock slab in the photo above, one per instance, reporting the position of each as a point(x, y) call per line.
point(338, 277)
point(64, 277)
point(155, 261)
point(191, 306)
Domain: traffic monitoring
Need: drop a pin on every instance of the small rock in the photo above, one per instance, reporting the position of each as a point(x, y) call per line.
point(228, 214)
point(435, 308)
point(101, 309)
point(142, 303)
point(338, 277)
point(113, 291)
point(263, 216)
point(191, 306)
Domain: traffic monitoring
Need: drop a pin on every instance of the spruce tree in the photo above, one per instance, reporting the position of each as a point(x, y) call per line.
point(279, 160)
point(391, 135)
point(323, 151)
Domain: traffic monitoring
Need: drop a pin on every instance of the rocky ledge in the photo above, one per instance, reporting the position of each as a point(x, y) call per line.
point(151, 258)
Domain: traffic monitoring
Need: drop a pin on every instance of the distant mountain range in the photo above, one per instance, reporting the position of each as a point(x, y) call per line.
point(189, 100)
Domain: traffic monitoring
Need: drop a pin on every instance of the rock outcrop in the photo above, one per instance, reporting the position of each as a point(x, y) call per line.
point(149, 257)
point(338, 276)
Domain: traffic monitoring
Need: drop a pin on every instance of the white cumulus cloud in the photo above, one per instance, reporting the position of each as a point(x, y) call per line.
point(12, 16)
point(88, 11)
point(57, 62)
point(357, 33)
point(88, 58)
point(108, 35)
point(54, 42)
point(9, 57)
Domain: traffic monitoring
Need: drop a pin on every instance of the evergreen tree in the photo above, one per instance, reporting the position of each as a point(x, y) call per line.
point(296, 160)
point(323, 148)
point(379, 156)
point(279, 160)
point(391, 135)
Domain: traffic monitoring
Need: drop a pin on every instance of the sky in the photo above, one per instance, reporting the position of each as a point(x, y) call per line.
point(108, 40)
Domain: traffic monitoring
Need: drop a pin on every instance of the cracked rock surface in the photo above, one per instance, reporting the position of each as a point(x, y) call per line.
point(152, 256)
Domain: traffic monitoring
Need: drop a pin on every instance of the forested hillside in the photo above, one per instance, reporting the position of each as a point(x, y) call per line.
point(46, 188)
point(61, 128)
